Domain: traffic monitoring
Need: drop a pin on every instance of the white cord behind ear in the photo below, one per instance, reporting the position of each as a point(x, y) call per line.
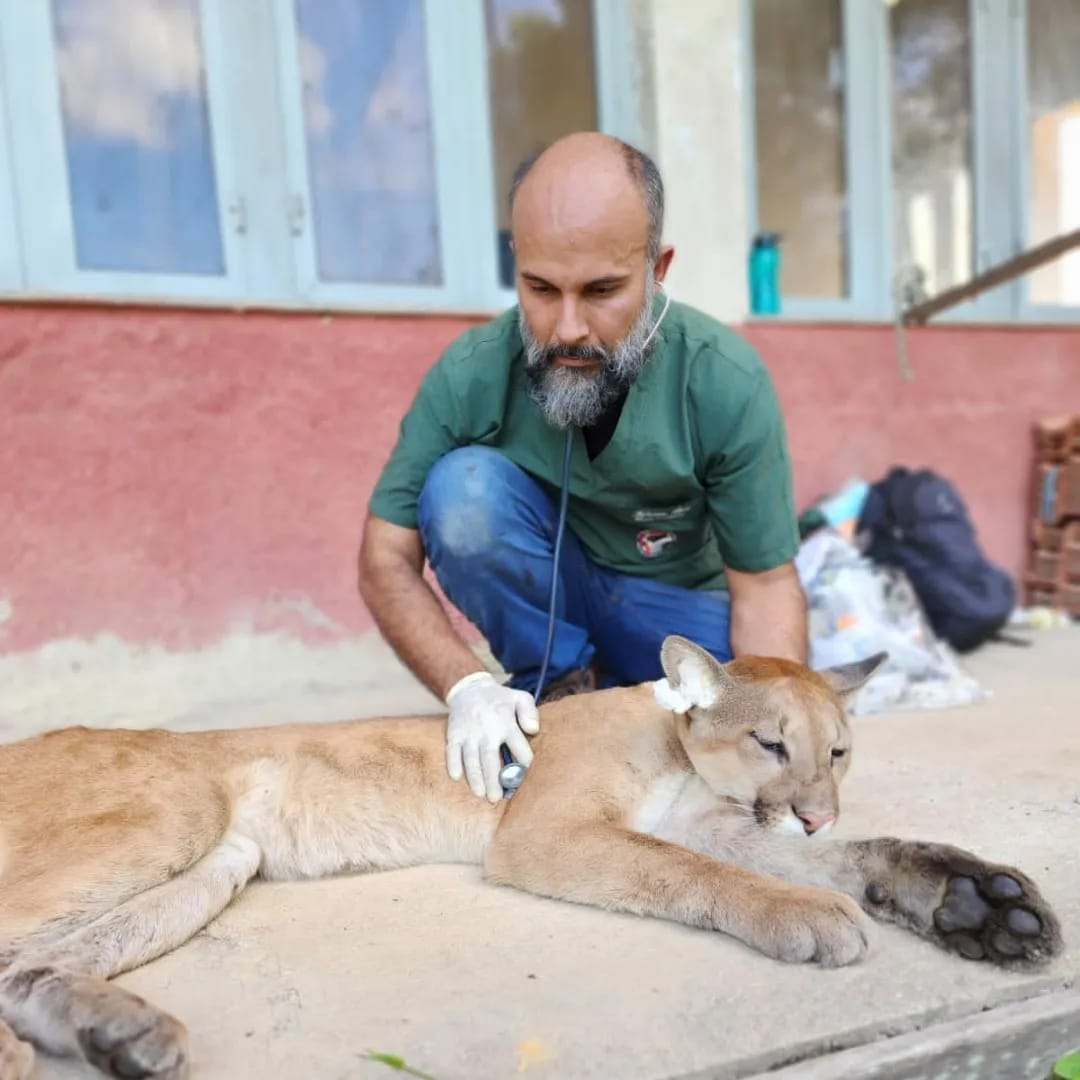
point(656, 325)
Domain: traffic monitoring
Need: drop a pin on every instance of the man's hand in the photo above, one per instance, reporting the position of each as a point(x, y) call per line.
point(483, 715)
point(768, 613)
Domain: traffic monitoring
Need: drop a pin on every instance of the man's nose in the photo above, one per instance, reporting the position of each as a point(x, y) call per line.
point(812, 822)
point(572, 328)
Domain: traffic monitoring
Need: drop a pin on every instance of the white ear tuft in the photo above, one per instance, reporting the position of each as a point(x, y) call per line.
point(670, 698)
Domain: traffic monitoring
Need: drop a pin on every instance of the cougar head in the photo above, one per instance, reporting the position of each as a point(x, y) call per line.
point(768, 735)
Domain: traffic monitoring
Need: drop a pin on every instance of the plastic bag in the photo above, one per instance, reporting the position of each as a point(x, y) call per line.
point(857, 608)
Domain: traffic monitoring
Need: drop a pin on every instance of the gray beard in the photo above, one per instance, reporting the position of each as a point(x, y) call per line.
point(567, 396)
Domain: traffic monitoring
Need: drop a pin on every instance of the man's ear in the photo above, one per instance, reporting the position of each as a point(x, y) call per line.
point(845, 679)
point(695, 678)
point(663, 262)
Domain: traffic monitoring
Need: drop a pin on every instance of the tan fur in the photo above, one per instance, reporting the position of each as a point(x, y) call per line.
point(118, 846)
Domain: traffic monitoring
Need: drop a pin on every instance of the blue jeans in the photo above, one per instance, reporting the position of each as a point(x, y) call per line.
point(489, 533)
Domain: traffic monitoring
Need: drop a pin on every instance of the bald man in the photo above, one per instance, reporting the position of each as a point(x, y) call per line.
point(681, 517)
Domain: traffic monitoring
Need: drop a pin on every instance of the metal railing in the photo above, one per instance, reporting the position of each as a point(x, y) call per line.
point(920, 313)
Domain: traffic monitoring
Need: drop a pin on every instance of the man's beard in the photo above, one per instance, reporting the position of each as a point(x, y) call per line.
point(567, 395)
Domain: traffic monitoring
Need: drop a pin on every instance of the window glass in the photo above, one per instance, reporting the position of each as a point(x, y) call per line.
point(1053, 143)
point(368, 130)
point(137, 139)
point(799, 124)
point(542, 85)
point(930, 42)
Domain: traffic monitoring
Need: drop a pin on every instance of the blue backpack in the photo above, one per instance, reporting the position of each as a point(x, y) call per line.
point(916, 520)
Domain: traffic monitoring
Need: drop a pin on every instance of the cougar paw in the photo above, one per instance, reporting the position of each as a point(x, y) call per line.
point(818, 926)
point(997, 915)
point(135, 1042)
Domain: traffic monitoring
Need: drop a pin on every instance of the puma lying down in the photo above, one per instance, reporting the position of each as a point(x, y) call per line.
point(704, 798)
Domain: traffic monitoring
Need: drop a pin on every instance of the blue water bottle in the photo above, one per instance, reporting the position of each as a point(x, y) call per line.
point(765, 274)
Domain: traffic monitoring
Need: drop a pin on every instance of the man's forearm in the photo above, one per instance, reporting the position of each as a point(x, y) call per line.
point(412, 620)
point(768, 615)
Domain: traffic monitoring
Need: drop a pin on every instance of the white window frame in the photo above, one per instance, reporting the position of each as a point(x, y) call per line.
point(41, 170)
point(999, 221)
point(11, 277)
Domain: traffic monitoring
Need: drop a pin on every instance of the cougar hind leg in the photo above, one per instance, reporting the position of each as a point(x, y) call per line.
point(58, 997)
point(61, 871)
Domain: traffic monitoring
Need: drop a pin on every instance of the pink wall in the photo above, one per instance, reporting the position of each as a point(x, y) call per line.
point(166, 473)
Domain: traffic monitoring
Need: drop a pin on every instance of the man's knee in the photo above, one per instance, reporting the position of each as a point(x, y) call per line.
point(462, 500)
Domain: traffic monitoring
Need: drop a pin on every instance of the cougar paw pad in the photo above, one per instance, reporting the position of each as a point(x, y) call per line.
point(1003, 887)
point(996, 917)
point(963, 908)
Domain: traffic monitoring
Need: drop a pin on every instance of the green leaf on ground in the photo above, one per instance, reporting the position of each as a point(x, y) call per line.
point(1068, 1067)
point(396, 1061)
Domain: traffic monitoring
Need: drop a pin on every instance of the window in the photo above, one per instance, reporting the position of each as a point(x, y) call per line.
point(348, 153)
point(368, 138)
point(358, 153)
point(136, 130)
point(799, 147)
point(930, 44)
point(891, 147)
point(121, 151)
point(1052, 144)
point(541, 85)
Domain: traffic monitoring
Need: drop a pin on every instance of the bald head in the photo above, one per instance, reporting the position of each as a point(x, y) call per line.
point(587, 177)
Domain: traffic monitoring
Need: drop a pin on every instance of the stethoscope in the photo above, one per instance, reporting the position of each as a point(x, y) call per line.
point(513, 772)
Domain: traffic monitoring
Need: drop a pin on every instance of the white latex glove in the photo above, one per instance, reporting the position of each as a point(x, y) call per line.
point(484, 714)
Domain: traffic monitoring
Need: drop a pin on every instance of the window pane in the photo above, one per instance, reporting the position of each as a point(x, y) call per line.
point(137, 135)
point(367, 120)
point(799, 117)
point(542, 85)
point(931, 82)
point(1054, 143)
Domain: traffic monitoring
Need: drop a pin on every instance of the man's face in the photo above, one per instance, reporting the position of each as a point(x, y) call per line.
point(585, 287)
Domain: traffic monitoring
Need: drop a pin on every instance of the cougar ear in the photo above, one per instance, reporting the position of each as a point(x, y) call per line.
point(845, 679)
point(695, 678)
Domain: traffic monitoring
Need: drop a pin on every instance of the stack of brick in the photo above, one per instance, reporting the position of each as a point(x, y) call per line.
point(1054, 572)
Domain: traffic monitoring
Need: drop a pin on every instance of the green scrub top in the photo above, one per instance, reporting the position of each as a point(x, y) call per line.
point(695, 477)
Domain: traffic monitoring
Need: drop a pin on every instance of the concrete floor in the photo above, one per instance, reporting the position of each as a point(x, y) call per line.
point(466, 980)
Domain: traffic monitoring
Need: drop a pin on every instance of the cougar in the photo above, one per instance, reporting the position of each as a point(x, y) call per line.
point(703, 797)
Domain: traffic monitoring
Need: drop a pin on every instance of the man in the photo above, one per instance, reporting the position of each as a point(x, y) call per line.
point(680, 517)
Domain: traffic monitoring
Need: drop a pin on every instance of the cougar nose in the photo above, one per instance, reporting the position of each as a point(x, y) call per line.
point(812, 822)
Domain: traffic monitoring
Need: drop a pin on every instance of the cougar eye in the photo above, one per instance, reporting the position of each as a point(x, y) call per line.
point(776, 748)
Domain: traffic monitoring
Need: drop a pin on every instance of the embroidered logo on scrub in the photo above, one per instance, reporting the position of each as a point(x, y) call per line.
point(651, 542)
point(666, 513)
